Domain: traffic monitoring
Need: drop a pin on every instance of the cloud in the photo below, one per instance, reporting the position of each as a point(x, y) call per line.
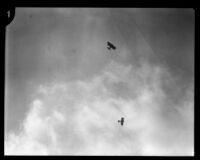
point(80, 117)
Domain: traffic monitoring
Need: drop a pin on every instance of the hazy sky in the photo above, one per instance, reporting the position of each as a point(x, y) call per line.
point(65, 90)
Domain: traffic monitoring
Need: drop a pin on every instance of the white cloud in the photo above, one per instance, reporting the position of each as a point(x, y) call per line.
point(80, 117)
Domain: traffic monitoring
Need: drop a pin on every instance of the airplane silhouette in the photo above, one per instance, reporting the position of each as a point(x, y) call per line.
point(110, 46)
point(121, 121)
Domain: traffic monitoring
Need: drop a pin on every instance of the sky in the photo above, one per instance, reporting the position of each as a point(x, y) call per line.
point(65, 91)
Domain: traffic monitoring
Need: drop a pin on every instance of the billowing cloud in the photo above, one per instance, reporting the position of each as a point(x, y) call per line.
point(80, 117)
